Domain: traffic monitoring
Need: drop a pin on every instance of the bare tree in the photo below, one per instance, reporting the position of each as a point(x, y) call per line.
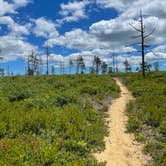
point(52, 69)
point(104, 67)
point(41, 66)
point(1, 70)
point(80, 65)
point(62, 67)
point(156, 66)
point(113, 62)
point(143, 35)
point(47, 58)
point(70, 65)
point(96, 64)
point(127, 66)
point(33, 64)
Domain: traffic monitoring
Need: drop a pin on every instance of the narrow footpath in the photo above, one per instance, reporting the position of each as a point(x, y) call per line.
point(121, 149)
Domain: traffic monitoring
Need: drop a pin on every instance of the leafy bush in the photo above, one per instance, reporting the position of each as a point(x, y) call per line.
point(147, 114)
point(49, 120)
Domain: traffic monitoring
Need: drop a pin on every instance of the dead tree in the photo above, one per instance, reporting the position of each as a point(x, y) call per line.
point(113, 62)
point(127, 66)
point(62, 67)
point(2, 73)
point(41, 66)
point(156, 66)
point(47, 59)
point(97, 64)
point(33, 64)
point(104, 67)
point(115, 68)
point(53, 70)
point(70, 65)
point(143, 35)
point(80, 65)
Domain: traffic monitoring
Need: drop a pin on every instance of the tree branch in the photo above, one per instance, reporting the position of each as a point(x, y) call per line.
point(139, 30)
point(149, 34)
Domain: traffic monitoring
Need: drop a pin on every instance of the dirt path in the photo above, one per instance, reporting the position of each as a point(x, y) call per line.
point(121, 150)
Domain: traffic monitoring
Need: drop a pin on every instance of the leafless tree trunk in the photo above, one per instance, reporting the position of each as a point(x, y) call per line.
point(143, 35)
point(47, 54)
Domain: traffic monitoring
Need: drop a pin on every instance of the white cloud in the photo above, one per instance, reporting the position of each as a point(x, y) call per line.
point(131, 8)
point(45, 28)
point(117, 4)
point(14, 28)
point(77, 39)
point(12, 48)
point(6, 7)
point(73, 11)
point(21, 3)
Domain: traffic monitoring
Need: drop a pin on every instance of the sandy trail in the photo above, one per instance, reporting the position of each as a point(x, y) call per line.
point(121, 149)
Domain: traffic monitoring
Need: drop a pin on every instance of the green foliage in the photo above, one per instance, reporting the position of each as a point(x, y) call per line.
point(49, 120)
point(147, 114)
point(133, 124)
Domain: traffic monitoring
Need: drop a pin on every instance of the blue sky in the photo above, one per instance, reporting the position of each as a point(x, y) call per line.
point(72, 28)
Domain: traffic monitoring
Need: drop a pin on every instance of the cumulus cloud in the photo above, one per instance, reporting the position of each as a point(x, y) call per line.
point(103, 37)
point(118, 4)
point(131, 8)
point(12, 48)
point(77, 39)
point(14, 28)
point(73, 11)
point(6, 7)
point(45, 28)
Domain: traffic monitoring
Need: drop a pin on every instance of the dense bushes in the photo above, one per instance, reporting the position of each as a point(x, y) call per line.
point(50, 120)
point(147, 114)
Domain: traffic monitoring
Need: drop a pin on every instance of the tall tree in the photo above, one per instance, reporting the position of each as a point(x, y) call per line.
point(156, 66)
point(143, 35)
point(104, 67)
point(96, 64)
point(1, 70)
point(80, 65)
point(147, 67)
point(127, 66)
point(110, 70)
point(62, 67)
point(70, 65)
point(52, 69)
point(47, 59)
point(33, 64)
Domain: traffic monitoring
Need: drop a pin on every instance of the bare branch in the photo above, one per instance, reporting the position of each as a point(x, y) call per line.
point(136, 36)
point(139, 30)
point(149, 34)
point(130, 52)
point(131, 44)
point(146, 45)
point(151, 52)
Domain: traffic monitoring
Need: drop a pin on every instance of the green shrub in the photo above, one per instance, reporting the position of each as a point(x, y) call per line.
point(148, 111)
point(133, 124)
point(49, 120)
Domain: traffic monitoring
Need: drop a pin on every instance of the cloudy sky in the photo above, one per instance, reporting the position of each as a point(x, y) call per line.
point(80, 27)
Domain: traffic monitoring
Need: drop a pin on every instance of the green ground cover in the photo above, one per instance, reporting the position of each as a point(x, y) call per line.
point(53, 120)
point(147, 114)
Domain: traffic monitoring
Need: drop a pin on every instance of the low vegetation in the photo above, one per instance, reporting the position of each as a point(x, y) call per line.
point(147, 113)
point(54, 120)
